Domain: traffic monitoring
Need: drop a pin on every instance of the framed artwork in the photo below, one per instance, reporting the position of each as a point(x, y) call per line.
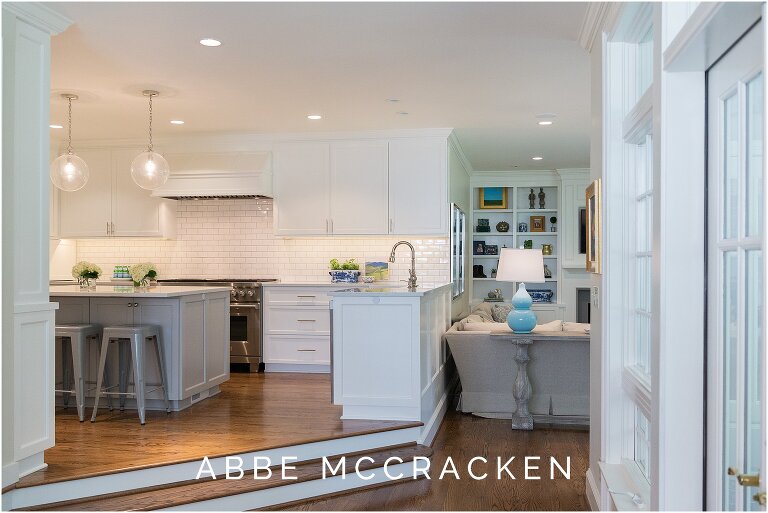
point(458, 241)
point(594, 225)
point(582, 231)
point(491, 249)
point(537, 223)
point(478, 247)
point(379, 269)
point(493, 197)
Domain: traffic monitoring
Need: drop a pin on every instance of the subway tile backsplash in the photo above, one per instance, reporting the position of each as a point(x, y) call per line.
point(234, 238)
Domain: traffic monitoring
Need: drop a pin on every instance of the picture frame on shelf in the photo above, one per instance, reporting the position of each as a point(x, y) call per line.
point(491, 249)
point(478, 247)
point(522, 227)
point(537, 223)
point(594, 225)
point(493, 197)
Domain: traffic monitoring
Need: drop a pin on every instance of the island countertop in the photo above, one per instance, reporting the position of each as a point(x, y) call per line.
point(355, 291)
point(128, 290)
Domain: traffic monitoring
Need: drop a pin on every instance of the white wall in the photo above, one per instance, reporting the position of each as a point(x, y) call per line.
point(234, 238)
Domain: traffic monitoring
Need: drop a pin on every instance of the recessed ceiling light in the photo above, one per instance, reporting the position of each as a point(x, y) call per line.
point(393, 100)
point(402, 113)
point(55, 126)
point(537, 158)
point(177, 122)
point(210, 42)
point(314, 116)
point(545, 123)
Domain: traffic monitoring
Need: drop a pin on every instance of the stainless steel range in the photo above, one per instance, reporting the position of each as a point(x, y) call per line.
point(245, 341)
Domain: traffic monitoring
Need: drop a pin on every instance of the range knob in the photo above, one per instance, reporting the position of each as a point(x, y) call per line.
point(233, 293)
point(241, 293)
point(250, 293)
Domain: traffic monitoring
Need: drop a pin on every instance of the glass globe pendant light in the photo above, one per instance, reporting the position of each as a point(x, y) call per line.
point(68, 171)
point(149, 169)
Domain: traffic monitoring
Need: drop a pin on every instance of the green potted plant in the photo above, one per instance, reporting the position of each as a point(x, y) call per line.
point(553, 224)
point(86, 274)
point(142, 273)
point(344, 272)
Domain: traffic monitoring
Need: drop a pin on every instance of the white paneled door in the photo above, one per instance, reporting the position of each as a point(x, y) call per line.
point(736, 439)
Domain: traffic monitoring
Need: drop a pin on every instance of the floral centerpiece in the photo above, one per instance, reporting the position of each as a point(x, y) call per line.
point(86, 273)
point(142, 273)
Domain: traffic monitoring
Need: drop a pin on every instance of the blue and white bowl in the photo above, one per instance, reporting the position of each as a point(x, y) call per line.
point(541, 295)
point(344, 276)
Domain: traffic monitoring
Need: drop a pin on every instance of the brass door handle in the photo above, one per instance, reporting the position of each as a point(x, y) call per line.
point(745, 479)
point(759, 498)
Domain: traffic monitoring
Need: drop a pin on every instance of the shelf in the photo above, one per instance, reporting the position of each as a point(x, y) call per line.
point(493, 234)
point(534, 210)
point(495, 210)
point(538, 234)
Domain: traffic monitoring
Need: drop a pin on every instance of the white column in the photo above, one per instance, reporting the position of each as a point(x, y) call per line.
point(28, 316)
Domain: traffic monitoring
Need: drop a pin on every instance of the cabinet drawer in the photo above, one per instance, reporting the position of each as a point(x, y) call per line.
point(297, 297)
point(316, 321)
point(315, 350)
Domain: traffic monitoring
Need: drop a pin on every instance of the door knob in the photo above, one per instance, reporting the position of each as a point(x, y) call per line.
point(745, 479)
point(759, 498)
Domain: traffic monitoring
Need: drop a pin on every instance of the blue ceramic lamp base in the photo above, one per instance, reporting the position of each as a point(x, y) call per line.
point(521, 318)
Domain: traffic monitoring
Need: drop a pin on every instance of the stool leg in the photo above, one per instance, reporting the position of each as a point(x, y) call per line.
point(161, 368)
point(137, 345)
point(125, 366)
point(77, 347)
point(100, 378)
point(66, 368)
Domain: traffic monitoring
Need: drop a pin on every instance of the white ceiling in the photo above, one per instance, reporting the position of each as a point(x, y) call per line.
point(486, 69)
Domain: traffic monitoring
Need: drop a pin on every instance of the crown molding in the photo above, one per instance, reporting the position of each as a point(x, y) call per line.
point(453, 140)
point(39, 15)
point(593, 23)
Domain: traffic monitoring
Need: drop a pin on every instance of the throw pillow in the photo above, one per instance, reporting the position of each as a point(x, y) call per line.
point(581, 327)
point(549, 326)
point(500, 312)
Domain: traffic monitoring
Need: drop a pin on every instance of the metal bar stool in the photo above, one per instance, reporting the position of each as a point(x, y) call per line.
point(136, 335)
point(73, 338)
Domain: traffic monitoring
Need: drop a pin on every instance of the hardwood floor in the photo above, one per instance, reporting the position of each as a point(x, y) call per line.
point(463, 437)
point(252, 412)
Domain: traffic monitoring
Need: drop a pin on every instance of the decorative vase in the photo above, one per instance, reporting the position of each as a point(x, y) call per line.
point(142, 285)
point(344, 276)
point(546, 249)
point(502, 226)
point(86, 283)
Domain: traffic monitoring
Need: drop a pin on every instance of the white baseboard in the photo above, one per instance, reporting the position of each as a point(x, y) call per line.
point(298, 367)
point(592, 491)
point(429, 431)
point(10, 475)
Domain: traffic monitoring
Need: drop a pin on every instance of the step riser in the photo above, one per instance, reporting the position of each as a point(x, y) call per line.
point(168, 474)
point(298, 491)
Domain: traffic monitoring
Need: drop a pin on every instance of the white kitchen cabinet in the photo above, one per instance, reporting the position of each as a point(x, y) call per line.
point(302, 188)
point(418, 186)
point(359, 181)
point(297, 335)
point(88, 212)
point(111, 204)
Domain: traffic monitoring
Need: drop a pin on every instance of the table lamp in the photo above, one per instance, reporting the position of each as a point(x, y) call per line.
point(521, 265)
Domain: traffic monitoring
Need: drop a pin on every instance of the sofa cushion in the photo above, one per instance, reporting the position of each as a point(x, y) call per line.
point(549, 326)
point(487, 326)
point(499, 312)
point(484, 310)
point(580, 327)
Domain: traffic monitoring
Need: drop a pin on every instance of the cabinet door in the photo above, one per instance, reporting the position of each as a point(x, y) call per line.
point(418, 186)
point(217, 339)
point(135, 213)
point(192, 345)
point(359, 187)
point(162, 312)
point(301, 188)
point(87, 212)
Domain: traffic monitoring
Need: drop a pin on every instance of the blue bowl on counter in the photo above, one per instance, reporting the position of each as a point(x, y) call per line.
point(541, 295)
point(344, 276)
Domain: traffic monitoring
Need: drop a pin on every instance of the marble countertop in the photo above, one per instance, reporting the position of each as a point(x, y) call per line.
point(379, 291)
point(128, 290)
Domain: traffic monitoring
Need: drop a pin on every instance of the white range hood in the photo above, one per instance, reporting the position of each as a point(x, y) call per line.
point(218, 175)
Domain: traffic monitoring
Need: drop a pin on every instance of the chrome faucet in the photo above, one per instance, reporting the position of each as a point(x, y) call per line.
point(412, 271)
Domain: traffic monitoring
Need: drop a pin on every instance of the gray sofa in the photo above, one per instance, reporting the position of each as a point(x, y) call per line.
point(558, 370)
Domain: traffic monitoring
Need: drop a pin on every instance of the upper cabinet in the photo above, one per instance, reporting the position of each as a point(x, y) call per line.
point(111, 204)
point(361, 187)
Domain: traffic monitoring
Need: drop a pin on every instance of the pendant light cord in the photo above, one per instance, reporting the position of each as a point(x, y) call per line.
point(150, 122)
point(69, 130)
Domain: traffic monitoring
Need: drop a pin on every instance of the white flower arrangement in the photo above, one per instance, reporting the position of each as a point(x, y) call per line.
point(143, 272)
point(85, 270)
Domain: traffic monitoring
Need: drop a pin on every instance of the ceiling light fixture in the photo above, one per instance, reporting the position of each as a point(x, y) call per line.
point(177, 122)
point(68, 171)
point(545, 123)
point(402, 113)
point(55, 126)
point(314, 116)
point(537, 158)
point(210, 42)
point(392, 100)
point(149, 169)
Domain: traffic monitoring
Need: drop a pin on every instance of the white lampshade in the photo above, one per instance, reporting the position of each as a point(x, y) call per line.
point(522, 265)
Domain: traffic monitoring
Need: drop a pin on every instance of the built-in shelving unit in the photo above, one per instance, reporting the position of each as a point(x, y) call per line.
point(518, 211)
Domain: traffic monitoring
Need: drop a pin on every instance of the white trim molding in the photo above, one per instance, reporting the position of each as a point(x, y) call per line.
point(39, 15)
point(592, 25)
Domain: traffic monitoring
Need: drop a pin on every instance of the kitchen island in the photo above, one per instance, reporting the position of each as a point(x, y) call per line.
point(389, 360)
point(194, 325)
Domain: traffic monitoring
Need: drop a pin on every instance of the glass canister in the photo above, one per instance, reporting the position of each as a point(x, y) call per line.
point(546, 249)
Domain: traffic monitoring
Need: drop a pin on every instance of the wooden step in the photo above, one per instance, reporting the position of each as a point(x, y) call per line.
point(179, 494)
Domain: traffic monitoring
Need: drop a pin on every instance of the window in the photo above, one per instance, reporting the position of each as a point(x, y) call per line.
point(639, 357)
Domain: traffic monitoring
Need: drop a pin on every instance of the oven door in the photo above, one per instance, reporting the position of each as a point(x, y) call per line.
point(245, 333)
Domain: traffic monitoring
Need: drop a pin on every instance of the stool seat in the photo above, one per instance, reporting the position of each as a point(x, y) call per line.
point(135, 335)
point(63, 330)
